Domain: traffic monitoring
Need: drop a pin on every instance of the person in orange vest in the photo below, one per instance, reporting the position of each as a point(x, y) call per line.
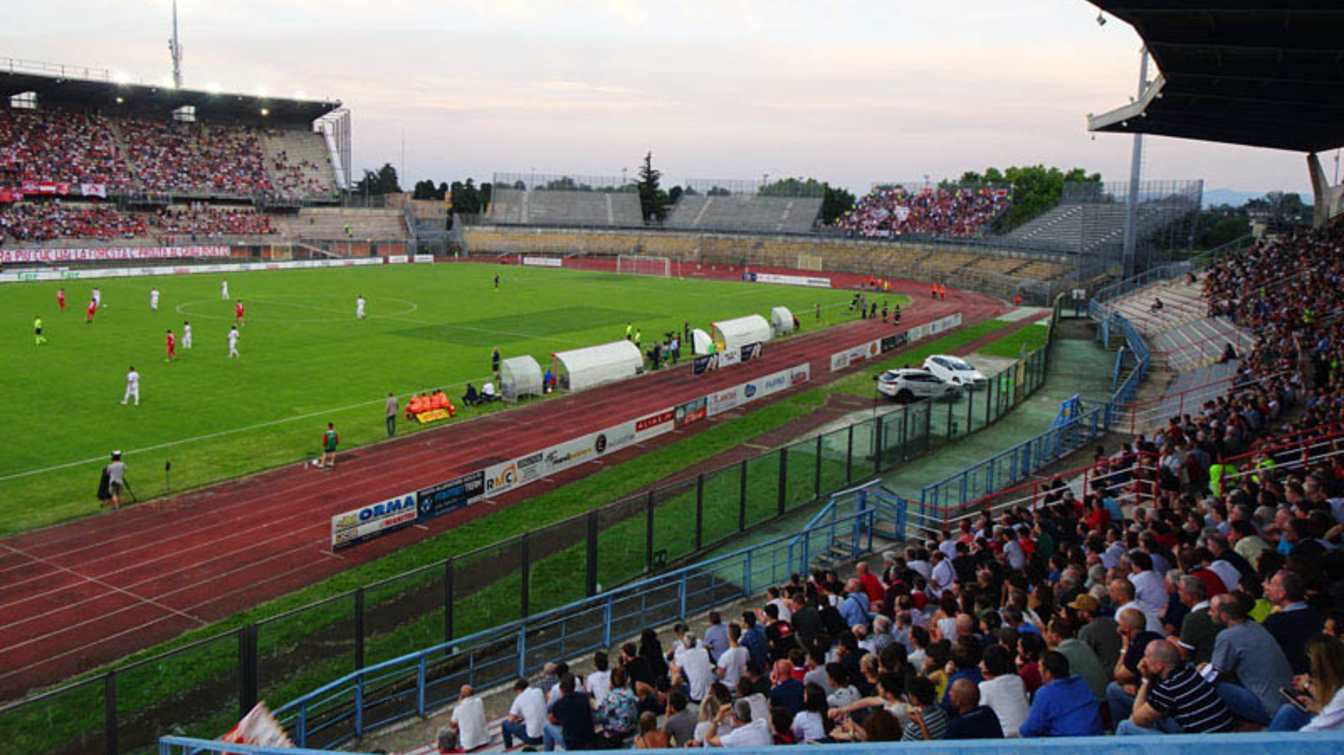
point(942, 292)
point(1017, 300)
point(933, 290)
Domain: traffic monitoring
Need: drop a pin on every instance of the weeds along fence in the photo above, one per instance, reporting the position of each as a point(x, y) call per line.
point(201, 688)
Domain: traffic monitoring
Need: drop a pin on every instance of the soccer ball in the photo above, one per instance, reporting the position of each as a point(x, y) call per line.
point(313, 463)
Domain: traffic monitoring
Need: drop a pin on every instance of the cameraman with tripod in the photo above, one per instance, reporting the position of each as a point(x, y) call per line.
point(114, 480)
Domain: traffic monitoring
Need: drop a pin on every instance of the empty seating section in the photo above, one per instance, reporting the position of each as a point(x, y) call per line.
point(946, 262)
point(678, 246)
point(1041, 271)
point(745, 212)
point(332, 224)
point(558, 208)
point(299, 163)
point(1092, 227)
point(1000, 265)
point(1180, 329)
point(161, 156)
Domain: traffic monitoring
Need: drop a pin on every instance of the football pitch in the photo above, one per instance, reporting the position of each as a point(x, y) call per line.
point(304, 361)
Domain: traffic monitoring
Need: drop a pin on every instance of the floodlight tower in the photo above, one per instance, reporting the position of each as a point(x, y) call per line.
point(175, 48)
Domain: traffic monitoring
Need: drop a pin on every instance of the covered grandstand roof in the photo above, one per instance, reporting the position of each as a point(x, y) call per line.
point(108, 96)
point(1237, 71)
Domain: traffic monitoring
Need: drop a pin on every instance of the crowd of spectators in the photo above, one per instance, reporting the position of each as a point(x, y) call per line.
point(54, 219)
point(156, 156)
point(205, 220)
point(1195, 585)
point(59, 146)
point(173, 156)
point(48, 220)
point(894, 211)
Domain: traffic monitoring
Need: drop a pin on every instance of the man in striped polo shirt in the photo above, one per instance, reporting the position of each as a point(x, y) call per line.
point(1173, 698)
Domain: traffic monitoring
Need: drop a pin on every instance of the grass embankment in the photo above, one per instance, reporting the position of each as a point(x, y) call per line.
point(325, 653)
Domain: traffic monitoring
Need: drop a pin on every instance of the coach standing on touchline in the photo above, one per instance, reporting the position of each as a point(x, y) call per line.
point(391, 414)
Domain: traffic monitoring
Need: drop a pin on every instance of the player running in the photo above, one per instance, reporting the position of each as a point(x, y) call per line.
point(238, 313)
point(233, 343)
point(98, 298)
point(90, 311)
point(132, 387)
point(186, 334)
point(359, 307)
point(170, 345)
point(38, 338)
point(224, 290)
point(154, 300)
point(496, 281)
point(60, 298)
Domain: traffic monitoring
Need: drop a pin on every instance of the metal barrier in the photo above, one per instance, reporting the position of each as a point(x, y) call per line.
point(939, 500)
point(415, 683)
point(1261, 743)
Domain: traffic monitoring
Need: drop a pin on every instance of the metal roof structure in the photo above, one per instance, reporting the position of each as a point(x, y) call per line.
point(107, 96)
point(1237, 71)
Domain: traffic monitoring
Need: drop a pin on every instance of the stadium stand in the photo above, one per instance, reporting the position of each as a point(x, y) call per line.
point(894, 211)
point(744, 212)
point(298, 162)
point(49, 220)
point(1181, 330)
point(558, 207)
point(59, 146)
point(1042, 617)
point(1084, 227)
point(335, 223)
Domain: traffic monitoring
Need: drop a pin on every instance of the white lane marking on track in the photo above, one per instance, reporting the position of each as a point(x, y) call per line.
point(104, 585)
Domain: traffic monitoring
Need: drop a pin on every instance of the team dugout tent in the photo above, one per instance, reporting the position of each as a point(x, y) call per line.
point(578, 369)
point(701, 343)
point(518, 377)
point(738, 332)
point(781, 319)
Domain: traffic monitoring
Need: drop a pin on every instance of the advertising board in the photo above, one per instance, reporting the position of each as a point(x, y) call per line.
point(543, 261)
point(369, 521)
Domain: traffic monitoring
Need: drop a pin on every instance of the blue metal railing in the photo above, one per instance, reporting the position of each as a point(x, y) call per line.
point(1260, 743)
point(415, 683)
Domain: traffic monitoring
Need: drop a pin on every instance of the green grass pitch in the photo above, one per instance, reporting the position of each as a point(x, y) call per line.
point(305, 360)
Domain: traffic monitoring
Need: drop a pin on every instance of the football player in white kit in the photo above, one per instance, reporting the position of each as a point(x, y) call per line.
point(186, 334)
point(154, 299)
point(132, 387)
point(359, 307)
point(97, 298)
point(233, 342)
point(224, 290)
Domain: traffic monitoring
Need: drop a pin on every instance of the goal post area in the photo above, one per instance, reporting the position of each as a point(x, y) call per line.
point(639, 264)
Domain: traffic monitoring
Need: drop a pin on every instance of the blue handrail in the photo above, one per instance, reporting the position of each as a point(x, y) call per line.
point(853, 514)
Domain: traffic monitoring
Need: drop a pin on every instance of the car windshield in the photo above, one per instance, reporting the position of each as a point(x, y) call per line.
point(955, 364)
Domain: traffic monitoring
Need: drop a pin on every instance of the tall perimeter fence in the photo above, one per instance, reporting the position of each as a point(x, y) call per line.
point(203, 687)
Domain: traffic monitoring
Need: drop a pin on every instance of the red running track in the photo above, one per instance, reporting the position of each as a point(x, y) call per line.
point(88, 592)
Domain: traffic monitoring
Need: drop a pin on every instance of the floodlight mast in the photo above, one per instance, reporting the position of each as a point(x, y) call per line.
point(175, 48)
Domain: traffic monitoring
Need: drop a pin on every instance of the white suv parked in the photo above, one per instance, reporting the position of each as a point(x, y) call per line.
point(954, 370)
point(907, 385)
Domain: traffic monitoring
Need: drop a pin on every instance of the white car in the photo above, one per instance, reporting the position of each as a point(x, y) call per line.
point(954, 370)
point(907, 385)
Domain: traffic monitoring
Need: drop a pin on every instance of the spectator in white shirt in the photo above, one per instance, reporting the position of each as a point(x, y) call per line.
point(746, 731)
point(1003, 690)
point(733, 661)
point(694, 667)
point(527, 715)
point(777, 600)
point(1149, 589)
point(1122, 596)
point(716, 636)
point(942, 576)
point(598, 683)
point(468, 720)
point(916, 559)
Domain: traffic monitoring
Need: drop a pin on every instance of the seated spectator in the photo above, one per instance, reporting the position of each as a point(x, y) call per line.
point(811, 724)
point(927, 719)
point(1002, 690)
point(680, 723)
point(1293, 621)
point(569, 719)
point(527, 716)
point(1246, 652)
point(618, 712)
point(1319, 697)
point(785, 691)
point(1063, 706)
point(488, 393)
point(468, 721)
point(1173, 698)
point(650, 737)
point(471, 397)
point(972, 720)
point(746, 731)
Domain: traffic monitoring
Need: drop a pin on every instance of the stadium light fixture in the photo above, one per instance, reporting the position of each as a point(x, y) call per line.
point(213, 87)
point(1101, 19)
point(121, 78)
point(120, 99)
point(262, 92)
point(265, 112)
point(299, 95)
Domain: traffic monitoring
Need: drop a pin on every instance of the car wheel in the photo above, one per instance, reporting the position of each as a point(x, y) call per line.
point(904, 396)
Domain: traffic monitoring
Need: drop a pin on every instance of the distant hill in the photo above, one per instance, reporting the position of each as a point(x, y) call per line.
point(1215, 197)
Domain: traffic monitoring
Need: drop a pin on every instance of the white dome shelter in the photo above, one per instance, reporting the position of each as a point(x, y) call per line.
point(740, 331)
point(519, 377)
point(781, 320)
point(578, 369)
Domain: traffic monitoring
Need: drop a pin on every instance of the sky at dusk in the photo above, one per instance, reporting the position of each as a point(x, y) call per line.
point(849, 92)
